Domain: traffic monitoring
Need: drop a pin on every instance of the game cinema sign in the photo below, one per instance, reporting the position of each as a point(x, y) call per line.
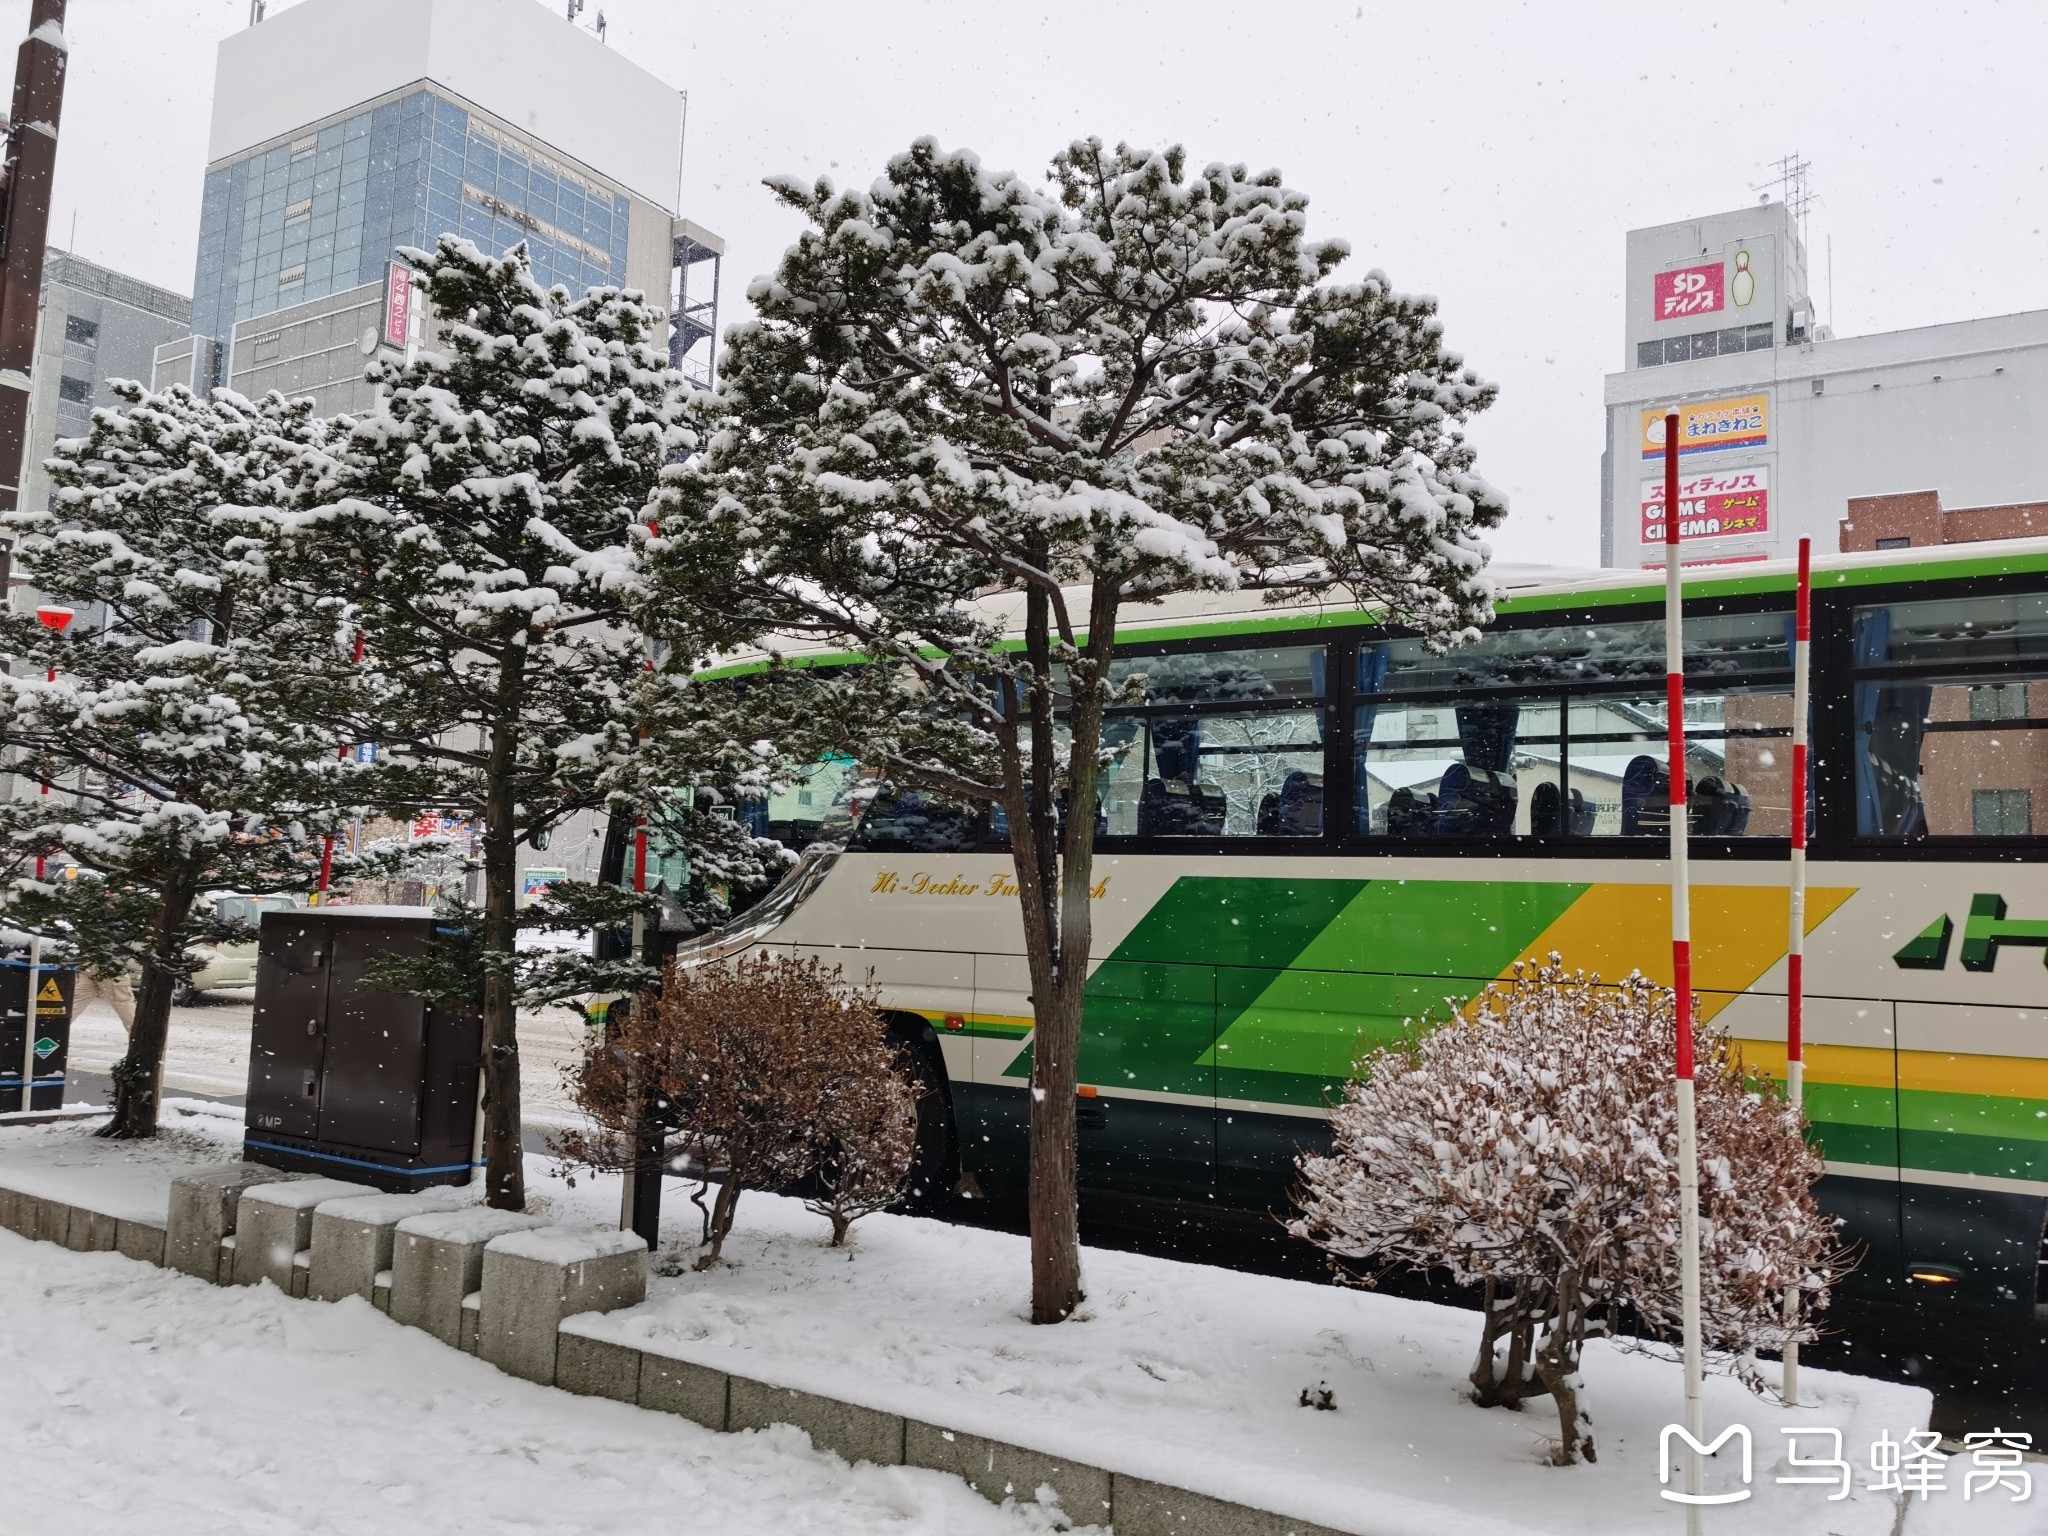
point(1715, 504)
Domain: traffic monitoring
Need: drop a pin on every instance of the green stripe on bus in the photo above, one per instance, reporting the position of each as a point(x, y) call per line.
point(1972, 1114)
point(1872, 1146)
point(1986, 1156)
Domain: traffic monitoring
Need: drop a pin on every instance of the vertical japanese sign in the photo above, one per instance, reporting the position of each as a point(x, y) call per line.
point(398, 305)
point(1701, 290)
point(1734, 503)
point(1711, 426)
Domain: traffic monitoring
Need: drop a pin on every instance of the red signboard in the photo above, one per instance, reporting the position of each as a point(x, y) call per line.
point(398, 305)
point(1690, 291)
point(1735, 503)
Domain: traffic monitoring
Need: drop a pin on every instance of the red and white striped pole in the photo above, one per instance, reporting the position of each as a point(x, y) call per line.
point(1681, 980)
point(1795, 954)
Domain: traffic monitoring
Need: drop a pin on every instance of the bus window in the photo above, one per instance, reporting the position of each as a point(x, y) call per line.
point(1727, 645)
point(817, 807)
point(1950, 702)
point(1255, 771)
point(921, 822)
point(1227, 677)
point(1446, 770)
point(1252, 774)
point(1738, 760)
point(1557, 732)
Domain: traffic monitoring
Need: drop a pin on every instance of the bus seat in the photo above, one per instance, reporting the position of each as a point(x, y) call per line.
point(1176, 808)
point(1645, 797)
point(1410, 815)
point(1269, 816)
point(1474, 802)
point(1546, 808)
point(1719, 809)
point(1579, 814)
point(1298, 808)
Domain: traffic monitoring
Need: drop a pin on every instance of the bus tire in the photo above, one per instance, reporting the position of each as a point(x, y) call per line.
point(937, 1167)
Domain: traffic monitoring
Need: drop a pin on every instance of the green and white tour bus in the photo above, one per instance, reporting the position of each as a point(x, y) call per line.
point(1320, 830)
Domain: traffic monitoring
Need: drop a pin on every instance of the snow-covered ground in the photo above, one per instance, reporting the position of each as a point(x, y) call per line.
point(1181, 1373)
point(138, 1400)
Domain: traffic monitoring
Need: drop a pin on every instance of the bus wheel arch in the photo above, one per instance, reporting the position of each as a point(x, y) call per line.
point(937, 1169)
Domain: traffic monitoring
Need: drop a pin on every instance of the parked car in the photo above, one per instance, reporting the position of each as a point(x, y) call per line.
point(219, 967)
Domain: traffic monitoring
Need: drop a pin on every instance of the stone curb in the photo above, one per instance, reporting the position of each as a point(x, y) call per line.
point(594, 1367)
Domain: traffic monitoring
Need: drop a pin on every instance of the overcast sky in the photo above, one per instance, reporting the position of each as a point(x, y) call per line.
point(1492, 155)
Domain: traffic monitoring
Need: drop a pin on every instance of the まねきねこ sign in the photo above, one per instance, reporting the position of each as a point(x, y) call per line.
point(1701, 290)
point(1733, 503)
point(1712, 426)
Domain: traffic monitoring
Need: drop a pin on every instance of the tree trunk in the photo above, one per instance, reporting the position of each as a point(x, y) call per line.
point(1557, 1367)
point(1059, 952)
point(137, 1073)
point(722, 1211)
point(504, 1157)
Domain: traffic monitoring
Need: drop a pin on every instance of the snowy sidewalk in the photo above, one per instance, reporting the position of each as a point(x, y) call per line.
point(143, 1401)
point(1184, 1375)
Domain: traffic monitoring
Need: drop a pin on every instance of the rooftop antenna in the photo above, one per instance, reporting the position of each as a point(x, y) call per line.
point(256, 10)
point(1790, 181)
point(600, 26)
point(575, 8)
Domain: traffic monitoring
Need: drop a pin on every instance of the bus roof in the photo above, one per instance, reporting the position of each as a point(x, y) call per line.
point(1524, 588)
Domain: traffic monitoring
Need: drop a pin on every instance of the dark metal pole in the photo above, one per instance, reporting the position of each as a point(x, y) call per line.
point(31, 163)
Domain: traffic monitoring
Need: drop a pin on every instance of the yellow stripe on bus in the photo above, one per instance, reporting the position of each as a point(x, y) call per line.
point(1858, 1066)
point(1738, 933)
point(1846, 1066)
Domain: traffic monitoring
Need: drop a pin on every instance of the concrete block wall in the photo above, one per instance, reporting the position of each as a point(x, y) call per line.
point(534, 1279)
point(527, 1296)
point(437, 1260)
point(274, 1224)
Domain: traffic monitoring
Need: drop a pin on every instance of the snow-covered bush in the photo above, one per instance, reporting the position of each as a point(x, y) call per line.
point(767, 1073)
point(1531, 1148)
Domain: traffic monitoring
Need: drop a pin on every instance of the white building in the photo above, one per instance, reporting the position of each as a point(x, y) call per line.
point(1780, 422)
point(344, 130)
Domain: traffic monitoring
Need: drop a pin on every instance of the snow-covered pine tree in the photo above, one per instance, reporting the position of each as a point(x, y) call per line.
point(185, 739)
point(1131, 382)
point(1531, 1149)
point(486, 529)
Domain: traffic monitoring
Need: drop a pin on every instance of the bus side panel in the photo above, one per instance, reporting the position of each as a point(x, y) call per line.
point(1148, 1037)
point(991, 1104)
point(1852, 1071)
point(1973, 1108)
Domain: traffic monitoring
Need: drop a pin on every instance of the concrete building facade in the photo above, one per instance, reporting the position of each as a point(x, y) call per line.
point(96, 325)
point(1783, 424)
point(346, 130)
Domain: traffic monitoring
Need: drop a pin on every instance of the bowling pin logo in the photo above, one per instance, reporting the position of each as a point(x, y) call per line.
point(1742, 288)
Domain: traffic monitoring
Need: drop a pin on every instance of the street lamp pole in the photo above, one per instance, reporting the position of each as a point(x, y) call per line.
point(56, 619)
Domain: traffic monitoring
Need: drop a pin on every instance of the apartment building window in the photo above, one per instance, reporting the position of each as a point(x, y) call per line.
point(1998, 701)
point(79, 390)
point(79, 329)
point(2002, 812)
point(1898, 543)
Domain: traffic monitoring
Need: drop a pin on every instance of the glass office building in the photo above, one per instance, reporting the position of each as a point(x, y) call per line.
point(325, 212)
